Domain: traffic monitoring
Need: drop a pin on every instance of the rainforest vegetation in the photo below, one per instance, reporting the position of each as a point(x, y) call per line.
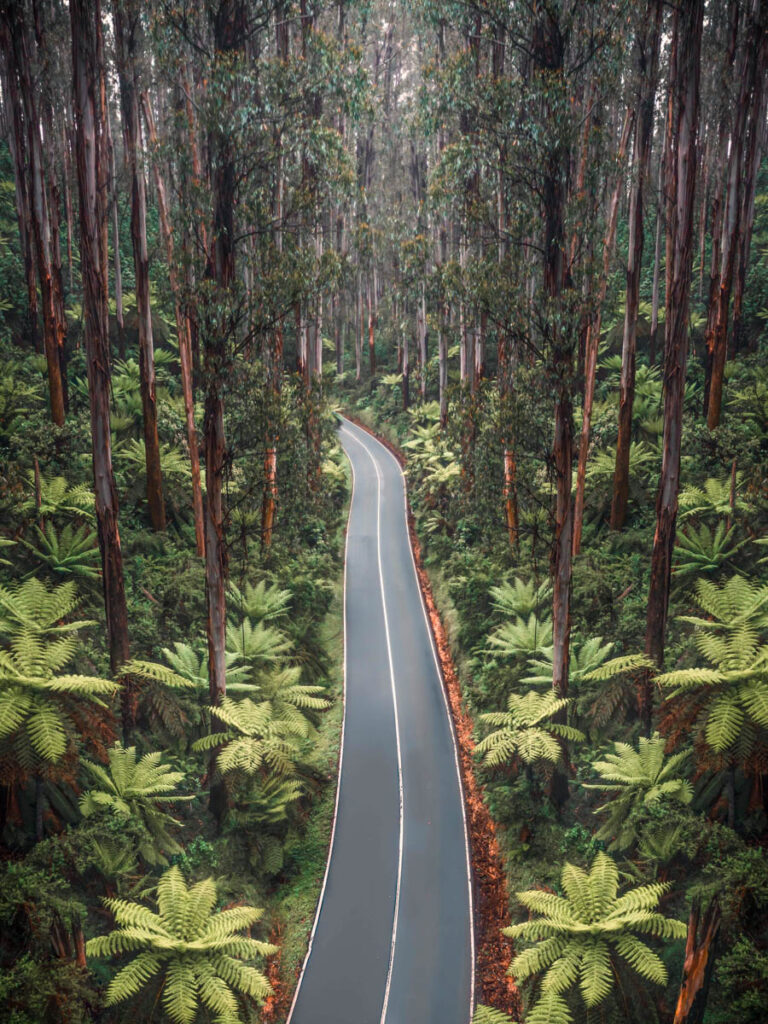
point(526, 243)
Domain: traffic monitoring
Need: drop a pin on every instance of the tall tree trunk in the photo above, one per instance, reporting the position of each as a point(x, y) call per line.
point(549, 54)
point(17, 148)
point(91, 163)
point(182, 333)
point(685, 67)
point(117, 266)
point(592, 343)
point(718, 176)
point(699, 963)
point(717, 336)
point(229, 33)
point(371, 329)
point(756, 147)
point(751, 91)
point(647, 43)
point(127, 29)
point(15, 39)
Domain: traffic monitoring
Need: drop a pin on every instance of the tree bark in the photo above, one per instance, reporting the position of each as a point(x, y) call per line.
point(127, 30)
point(15, 40)
point(592, 344)
point(750, 92)
point(699, 963)
point(183, 333)
point(91, 163)
point(685, 58)
point(17, 148)
point(648, 53)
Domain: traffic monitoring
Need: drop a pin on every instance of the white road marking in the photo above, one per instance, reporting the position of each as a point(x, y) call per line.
point(396, 914)
point(441, 682)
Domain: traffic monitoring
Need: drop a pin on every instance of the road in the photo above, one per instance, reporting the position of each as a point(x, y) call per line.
point(392, 942)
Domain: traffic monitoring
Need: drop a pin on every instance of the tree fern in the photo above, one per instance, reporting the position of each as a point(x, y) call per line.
point(262, 602)
point(520, 598)
point(577, 936)
point(522, 638)
point(199, 955)
point(713, 498)
point(252, 742)
point(637, 777)
point(733, 688)
point(134, 788)
point(705, 550)
point(38, 701)
point(487, 1015)
point(57, 498)
point(73, 552)
point(523, 730)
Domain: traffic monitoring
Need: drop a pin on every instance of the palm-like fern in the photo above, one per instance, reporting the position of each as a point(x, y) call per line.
point(253, 741)
point(134, 788)
point(578, 935)
point(522, 638)
point(73, 552)
point(191, 664)
point(733, 691)
point(289, 699)
point(525, 731)
point(713, 498)
point(704, 550)
point(487, 1015)
point(585, 659)
point(37, 699)
point(637, 777)
point(201, 955)
point(58, 498)
point(257, 645)
point(263, 602)
point(520, 598)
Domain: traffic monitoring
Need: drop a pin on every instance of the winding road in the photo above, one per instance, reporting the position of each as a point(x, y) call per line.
point(392, 941)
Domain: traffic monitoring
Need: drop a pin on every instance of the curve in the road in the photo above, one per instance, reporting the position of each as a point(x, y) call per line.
point(392, 941)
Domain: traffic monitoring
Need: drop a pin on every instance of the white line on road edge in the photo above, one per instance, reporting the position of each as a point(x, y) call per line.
point(450, 724)
point(388, 985)
point(341, 755)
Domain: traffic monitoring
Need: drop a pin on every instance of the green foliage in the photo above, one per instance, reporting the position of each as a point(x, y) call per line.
point(522, 638)
point(577, 936)
point(732, 693)
point(73, 552)
point(487, 1015)
point(705, 550)
point(641, 776)
point(520, 732)
point(38, 702)
point(134, 788)
point(198, 954)
point(253, 740)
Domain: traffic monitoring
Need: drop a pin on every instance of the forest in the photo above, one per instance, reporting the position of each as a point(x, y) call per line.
point(268, 270)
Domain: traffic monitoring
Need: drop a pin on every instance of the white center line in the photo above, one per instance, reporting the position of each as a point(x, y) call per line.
point(388, 986)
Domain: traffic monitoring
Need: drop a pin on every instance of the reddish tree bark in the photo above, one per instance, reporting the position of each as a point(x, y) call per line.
point(127, 32)
point(685, 69)
point(91, 163)
point(647, 44)
point(700, 953)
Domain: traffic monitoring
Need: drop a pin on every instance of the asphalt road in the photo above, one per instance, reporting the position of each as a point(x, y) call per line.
point(392, 941)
